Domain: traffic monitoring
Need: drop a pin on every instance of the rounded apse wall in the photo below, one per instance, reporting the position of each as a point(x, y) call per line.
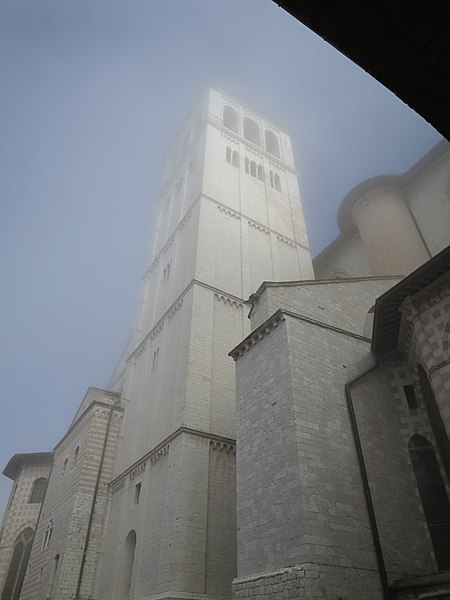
point(388, 232)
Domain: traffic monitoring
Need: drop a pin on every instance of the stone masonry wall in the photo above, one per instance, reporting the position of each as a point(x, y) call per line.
point(428, 316)
point(20, 513)
point(55, 560)
point(309, 581)
point(300, 496)
point(323, 301)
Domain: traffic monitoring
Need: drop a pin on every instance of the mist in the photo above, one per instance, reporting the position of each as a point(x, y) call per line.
point(92, 94)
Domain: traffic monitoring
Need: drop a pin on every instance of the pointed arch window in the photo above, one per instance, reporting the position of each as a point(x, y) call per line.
point(38, 492)
point(230, 119)
point(434, 497)
point(18, 565)
point(272, 144)
point(251, 131)
point(48, 535)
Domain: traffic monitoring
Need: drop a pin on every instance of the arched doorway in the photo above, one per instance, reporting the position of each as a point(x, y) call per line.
point(18, 565)
point(127, 566)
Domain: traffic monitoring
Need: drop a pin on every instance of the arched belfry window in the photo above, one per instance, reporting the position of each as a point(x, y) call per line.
point(434, 497)
point(18, 565)
point(127, 566)
point(251, 131)
point(272, 144)
point(253, 168)
point(230, 119)
point(261, 174)
point(38, 491)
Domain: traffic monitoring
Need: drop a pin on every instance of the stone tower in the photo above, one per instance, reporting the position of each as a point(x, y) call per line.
point(229, 217)
point(143, 505)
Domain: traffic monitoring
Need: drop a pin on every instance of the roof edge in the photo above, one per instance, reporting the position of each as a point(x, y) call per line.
point(17, 460)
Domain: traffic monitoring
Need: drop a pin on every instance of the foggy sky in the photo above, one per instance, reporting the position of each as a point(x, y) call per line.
point(92, 92)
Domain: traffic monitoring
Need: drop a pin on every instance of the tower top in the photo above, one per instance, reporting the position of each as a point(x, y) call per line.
point(239, 118)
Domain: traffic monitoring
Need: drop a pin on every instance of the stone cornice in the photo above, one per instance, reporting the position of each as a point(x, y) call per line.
point(273, 321)
point(226, 299)
point(260, 332)
point(217, 442)
point(254, 223)
point(90, 411)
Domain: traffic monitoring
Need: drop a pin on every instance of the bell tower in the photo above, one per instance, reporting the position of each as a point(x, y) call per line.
point(229, 217)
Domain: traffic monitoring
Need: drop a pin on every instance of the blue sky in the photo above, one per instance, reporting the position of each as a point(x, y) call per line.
point(92, 92)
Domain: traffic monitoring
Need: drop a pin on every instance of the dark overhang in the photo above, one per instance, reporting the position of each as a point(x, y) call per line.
point(387, 318)
point(404, 45)
point(15, 463)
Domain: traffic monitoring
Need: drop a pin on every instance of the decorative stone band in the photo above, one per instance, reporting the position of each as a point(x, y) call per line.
point(172, 310)
point(96, 408)
point(255, 224)
point(138, 470)
point(169, 242)
point(286, 240)
point(229, 211)
point(229, 448)
point(217, 442)
point(175, 308)
point(257, 335)
point(228, 300)
point(259, 227)
point(156, 330)
point(226, 209)
point(161, 452)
